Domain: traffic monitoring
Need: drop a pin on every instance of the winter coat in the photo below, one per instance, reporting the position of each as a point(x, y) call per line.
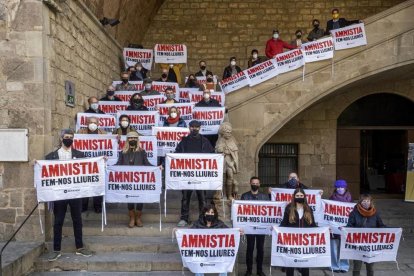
point(201, 224)
point(356, 220)
point(299, 223)
point(54, 155)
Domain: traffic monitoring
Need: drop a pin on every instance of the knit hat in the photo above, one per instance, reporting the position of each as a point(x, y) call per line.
point(132, 134)
point(340, 183)
point(194, 123)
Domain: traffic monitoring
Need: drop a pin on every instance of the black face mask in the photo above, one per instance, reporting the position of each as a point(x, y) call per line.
point(316, 26)
point(209, 80)
point(209, 218)
point(202, 68)
point(133, 143)
point(67, 142)
point(164, 76)
point(124, 81)
point(110, 92)
point(138, 102)
point(300, 200)
point(298, 36)
point(254, 188)
point(194, 132)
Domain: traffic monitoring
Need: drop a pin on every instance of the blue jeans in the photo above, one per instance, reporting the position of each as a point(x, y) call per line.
point(337, 264)
point(220, 274)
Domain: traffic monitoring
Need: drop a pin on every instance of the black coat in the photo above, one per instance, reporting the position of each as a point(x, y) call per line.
point(190, 144)
point(201, 224)
point(140, 159)
point(200, 74)
point(299, 223)
point(210, 103)
point(227, 71)
point(54, 155)
point(301, 185)
point(356, 220)
point(90, 110)
point(342, 23)
point(106, 99)
point(249, 196)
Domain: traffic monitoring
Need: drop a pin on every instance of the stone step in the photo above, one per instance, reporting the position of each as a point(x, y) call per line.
point(106, 262)
point(120, 244)
point(115, 273)
point(18, 257)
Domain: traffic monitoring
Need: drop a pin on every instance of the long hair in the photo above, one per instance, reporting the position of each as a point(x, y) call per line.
point(126, 148)
point(307, 212)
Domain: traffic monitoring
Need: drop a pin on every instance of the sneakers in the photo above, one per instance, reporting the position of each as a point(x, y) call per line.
point(83, 252)
point(182, 223)
point(54, 256)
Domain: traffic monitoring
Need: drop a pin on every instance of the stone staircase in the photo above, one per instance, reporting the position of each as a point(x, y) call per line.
point(120, 250)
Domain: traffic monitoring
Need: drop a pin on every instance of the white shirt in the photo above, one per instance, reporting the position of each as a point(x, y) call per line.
point(65, 154)
point(300, 212)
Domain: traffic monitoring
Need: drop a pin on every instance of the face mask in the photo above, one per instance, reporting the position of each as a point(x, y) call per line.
point(148, 86)
point(209, 218)
point(67, 142)
point(139, 68)
point(202, 67)
point(171, 65)
point(276, 36)
point(124, 81)
point(254, 188)
point(206, 96)
point(292, 183)
point(133, 143)
point(124, 124)
point(316, 26)
point(92, 127)
point(94, 106)
point(298, 35)
point(233, 63)
point(209, 79)
point(335, 15)
point(340, 191)
point(138, 102)
point(300, 200)
point(194, 132)
point(110, 92)
point(366, 205)
point(255, 56)
point(164, 76)
point(169, 96)
point(173, 115)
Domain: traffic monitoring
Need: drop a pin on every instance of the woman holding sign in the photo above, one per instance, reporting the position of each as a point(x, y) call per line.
point(174, 119)
point(298, 214)
point(364, 215)
point(133, 155)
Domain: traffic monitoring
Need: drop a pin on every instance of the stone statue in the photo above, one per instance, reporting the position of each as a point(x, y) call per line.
point(227, 145)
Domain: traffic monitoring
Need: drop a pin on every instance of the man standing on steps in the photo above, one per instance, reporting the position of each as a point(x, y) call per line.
point(66, 152)
point(193, 143)
point(254, 194)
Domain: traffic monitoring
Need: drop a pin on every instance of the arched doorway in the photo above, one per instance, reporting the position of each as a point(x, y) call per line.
point(372, 143)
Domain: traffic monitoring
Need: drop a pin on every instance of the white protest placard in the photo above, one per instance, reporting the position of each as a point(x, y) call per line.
point(194, 171)
point(262, 72)
point(289, 61)
point(152, 101)
point(139, 85)
point(94, 145)
point(370, 245)
point(313, 197)
point(183, 96)
point(334, 214)
point(141, 121)
point(76, 178)
point(257, 217)
point(234, 82)
point(148, 143)
point(208, 250)
point(133, 184)
point(301, 247)
point(186, 111)
point(170, 53)
point(160, 86)
point(196, 96)
point(349, 37)
point(107, 122)
point(133, 55)
point(203, 79)
point(210, 118)
point(168, 138)
point(112, 107)
point(317, 50)
point(125, 96)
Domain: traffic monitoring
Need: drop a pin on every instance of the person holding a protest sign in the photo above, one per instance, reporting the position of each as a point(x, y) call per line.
point(336, 22)
point(148, 91)
point(93, 106)
point(110, 95)
point(210, 85)
point(254, 194)
point(316, 32)
point(124, 126)
point(192, 82)
point(173, 71)
point(132, 73)
point(125, 85)
point(298, 214)
point(207, 100)
point(364, 215)
point(294, 182)
point(254, 58)
point(170, 95)
point(136, 103)
point(133, 155)
point(166, 76)
point(339, 194)
point(232, 69)
point(193, 143)
point(275, 45)
point(66, 152)
point(203, 69)
point(298, 39)
point(174, 119)
point(141, 71)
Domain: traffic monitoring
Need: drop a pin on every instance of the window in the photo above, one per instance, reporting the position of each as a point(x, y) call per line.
point(276, 161)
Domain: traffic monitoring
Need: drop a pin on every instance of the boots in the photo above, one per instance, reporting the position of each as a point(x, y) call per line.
point(138, 221)
point(131, 218)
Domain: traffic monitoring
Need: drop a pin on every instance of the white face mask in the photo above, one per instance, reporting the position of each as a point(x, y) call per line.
point(173, 115)
point(92, 126)
point(276, 35)
point(171, 65)
point(94, 106)
point(148, 86)
point(206, 96)
point(139, 68)
point(254, 56)
point(124, 124)
point(233, 63)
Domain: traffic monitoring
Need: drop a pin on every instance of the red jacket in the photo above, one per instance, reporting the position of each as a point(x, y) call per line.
point(275, 47)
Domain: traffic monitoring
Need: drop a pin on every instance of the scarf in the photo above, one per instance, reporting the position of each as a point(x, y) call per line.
point(366, 213)
point(173, 121)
